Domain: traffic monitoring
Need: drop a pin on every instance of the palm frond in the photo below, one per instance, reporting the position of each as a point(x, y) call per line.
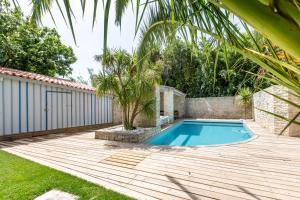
point(94, 12)
point(121, 6)
point(281, 117)
point(106, 17)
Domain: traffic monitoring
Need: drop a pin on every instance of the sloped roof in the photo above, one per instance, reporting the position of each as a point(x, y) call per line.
point(45, 79)
point(163, 88)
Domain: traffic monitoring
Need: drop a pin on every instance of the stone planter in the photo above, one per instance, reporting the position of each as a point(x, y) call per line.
point(118, 133)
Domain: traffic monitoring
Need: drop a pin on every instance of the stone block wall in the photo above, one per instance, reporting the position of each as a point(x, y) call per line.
point(116, 133)
point(265, 101)
point(217, 108)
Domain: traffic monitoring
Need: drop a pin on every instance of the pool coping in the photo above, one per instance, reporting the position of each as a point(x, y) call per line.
point(252, 132)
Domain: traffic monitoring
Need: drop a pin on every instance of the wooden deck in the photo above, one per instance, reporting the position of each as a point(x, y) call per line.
point(267, 167)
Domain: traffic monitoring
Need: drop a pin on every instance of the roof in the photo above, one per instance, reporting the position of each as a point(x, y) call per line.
point(45, 79)
point(163, 88)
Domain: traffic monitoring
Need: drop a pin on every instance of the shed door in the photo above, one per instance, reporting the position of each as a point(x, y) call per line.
point(58, 109)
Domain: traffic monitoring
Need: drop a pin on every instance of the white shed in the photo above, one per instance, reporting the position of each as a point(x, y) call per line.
point(32, 102)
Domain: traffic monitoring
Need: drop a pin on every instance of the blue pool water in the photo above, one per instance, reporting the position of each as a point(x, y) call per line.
point(195, 133)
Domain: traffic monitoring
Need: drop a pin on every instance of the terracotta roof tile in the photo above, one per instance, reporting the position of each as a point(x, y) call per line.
point(43, 78)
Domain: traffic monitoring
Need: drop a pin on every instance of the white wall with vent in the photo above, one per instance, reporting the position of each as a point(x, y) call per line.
point(30, 106)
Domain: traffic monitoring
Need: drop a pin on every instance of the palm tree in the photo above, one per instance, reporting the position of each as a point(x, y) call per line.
point(278, 21)
point(131, 88)
point(185, 17)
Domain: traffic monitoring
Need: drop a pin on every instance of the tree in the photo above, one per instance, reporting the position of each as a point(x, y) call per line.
point(212, 17)
point(25, 46)
point(208, 71)
point(278, 21)
point(132, 87)
point(79, 79)
point(93, 76)
point(193, 19)
point(284, 28)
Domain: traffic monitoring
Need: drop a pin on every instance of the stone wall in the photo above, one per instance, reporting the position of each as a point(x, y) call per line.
point(217, 108)
point(265, 101)
point(117, 133)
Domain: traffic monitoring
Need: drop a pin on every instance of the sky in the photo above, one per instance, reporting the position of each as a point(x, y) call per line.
point(89, 41)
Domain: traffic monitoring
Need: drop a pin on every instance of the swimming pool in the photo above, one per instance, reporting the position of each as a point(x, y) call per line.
point(197, 133)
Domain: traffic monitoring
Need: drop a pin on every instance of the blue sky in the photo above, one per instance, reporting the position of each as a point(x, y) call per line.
point(89, 42)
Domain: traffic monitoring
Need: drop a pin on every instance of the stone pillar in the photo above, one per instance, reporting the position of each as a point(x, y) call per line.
point(169, 103)
point(267, 102)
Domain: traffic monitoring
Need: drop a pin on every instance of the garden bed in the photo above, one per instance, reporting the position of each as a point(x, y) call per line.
point(118, 133)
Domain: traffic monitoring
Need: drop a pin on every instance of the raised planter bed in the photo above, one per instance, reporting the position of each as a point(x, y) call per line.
point(118, 133)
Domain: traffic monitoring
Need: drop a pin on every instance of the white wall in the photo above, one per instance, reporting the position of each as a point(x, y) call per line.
point(23, 106)
point(217, 107)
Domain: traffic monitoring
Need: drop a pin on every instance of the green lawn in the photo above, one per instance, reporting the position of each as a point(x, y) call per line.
point(23, 179)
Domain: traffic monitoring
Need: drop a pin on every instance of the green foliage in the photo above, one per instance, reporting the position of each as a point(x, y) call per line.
point(79, 79)
point(277, 21)
point(207, 71)
point(132, 87)
point(93, 76)
point(86, 81)
point(22, 179)
point(25, 46)
point(245, 96)
point(193, 19)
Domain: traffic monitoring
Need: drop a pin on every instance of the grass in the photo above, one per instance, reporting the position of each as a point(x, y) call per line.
point(22, 179)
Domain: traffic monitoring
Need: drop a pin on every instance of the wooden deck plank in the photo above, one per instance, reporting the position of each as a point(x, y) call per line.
point(59, 161)
point(267, 167)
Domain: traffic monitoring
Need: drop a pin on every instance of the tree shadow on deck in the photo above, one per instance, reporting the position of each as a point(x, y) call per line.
point(182, 187)
point(248, 192)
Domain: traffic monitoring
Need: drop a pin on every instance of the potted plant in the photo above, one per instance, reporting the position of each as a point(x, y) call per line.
point(132, 86)
point(245, 98)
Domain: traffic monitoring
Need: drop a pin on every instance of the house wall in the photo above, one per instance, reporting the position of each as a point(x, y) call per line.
point(216, 108)
point(267, 102)
point(30, 106)
point(161, 96)
point(169, 103)
point(179, 105)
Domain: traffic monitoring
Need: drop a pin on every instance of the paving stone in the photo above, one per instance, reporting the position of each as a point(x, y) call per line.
point(57, 195)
